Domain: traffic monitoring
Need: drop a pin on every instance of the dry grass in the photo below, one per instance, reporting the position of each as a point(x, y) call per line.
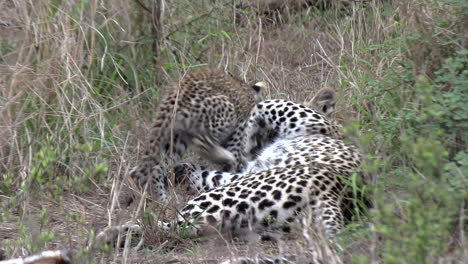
point(80, 86)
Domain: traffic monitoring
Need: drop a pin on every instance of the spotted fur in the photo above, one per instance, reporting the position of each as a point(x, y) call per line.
point(206, 104)
point(302, 172)
point(227, 131)
point(304, 150)
point(270, 120)
point(267, 201)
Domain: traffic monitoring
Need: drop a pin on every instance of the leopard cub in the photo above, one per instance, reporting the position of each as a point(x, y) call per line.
point(206, 104)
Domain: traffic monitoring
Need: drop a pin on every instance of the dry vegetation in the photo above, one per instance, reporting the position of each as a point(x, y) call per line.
point(80, 80)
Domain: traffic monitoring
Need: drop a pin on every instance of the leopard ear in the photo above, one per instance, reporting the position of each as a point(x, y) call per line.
point(259, 86)
point(324, 101)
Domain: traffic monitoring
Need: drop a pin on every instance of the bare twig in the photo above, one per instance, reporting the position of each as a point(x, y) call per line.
point(157, 14)
point(143, 6)
point(177, 27)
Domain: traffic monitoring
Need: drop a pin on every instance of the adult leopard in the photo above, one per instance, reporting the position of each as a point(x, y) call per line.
point(275, 119)
point(302, 150)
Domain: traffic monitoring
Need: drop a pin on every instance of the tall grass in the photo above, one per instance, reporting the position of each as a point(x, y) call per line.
point(70, 82)
point(407, 64)
point(82, 79)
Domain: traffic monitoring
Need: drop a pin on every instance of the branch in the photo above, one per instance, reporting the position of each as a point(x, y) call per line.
point(143, 6)
point(49, 256)
point(208, 13)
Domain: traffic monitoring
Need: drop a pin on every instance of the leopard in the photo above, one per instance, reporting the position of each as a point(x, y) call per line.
point(302, 150)
point(268, 200)
point(336, 159)
point(264, 203)
point(206, 104)
point(274, 119)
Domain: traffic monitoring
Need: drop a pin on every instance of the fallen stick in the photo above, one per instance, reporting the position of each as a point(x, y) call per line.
point(45, 257)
